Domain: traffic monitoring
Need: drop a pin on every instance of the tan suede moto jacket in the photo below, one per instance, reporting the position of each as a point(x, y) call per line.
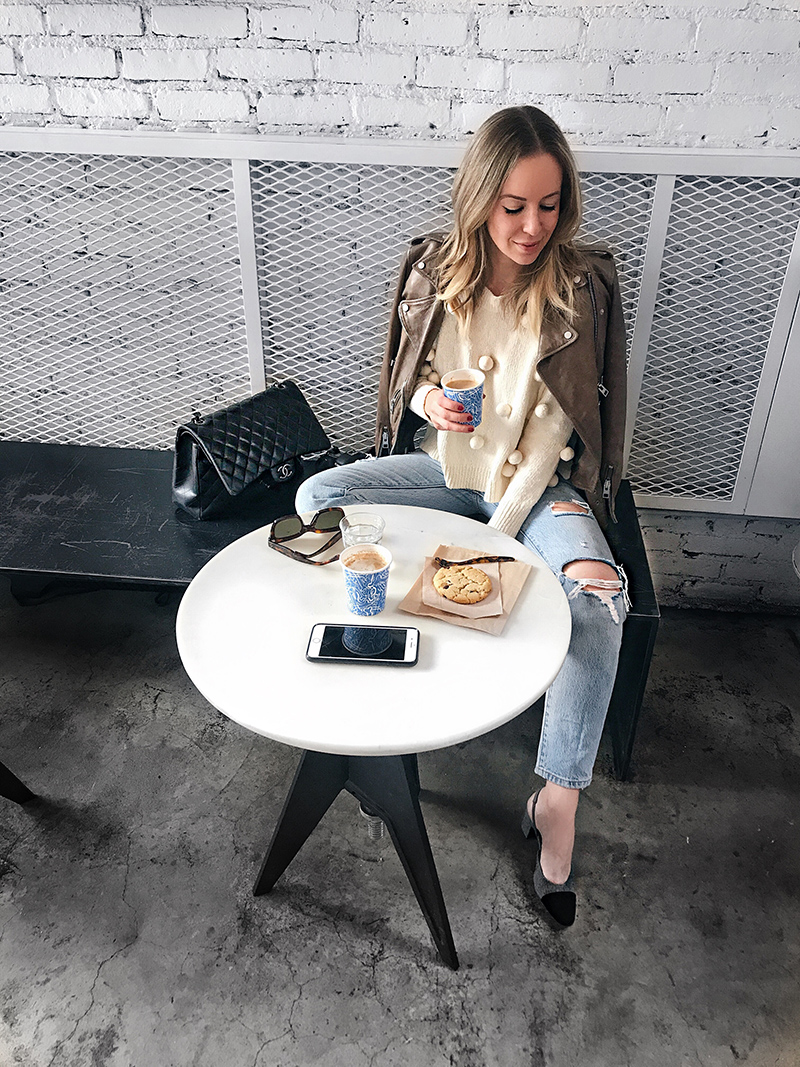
point(583, 364)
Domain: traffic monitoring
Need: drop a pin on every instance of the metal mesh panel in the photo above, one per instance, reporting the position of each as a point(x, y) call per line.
point(617, 209)
point(120, 297)
point(727, 248)
point(329, 239)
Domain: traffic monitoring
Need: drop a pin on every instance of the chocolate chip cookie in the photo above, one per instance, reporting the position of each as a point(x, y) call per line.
point(462, 585)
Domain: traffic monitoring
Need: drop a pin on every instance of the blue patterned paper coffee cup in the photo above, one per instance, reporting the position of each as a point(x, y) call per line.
point(366, 577)
point(472, 398)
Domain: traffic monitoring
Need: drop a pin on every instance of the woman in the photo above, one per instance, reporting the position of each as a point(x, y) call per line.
point(509, 292)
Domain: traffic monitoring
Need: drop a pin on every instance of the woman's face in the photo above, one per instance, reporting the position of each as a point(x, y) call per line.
point(525, 213)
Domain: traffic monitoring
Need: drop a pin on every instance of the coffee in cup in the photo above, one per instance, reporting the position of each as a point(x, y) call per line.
point(365, 560)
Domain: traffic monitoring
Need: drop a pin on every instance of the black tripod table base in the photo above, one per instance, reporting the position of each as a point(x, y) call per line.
point(12, 788)
point(387, 786)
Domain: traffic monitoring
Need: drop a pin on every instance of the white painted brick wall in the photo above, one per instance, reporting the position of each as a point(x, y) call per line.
point(728, 6)
point(197, 20)
point(712, 73)
point(108, 103)
point(257, 65)
point(562, 76)
point(589, 4)
point(88, 20)
point(313, 112)
point(445, 30)
point(750, 78)
point(21, 19)
point(746, 35)
point(787, 120)
point(373, 68)
point(722, 561)
point(653, 79)
point(191, 106)
point(714, 124)
point(70, 61)
point(663, 35)
point(305, 24)
point(16, 99)
point(522, 32)
point(377, 111)
point(593, 120)
point(455, 72)
point(173, 64)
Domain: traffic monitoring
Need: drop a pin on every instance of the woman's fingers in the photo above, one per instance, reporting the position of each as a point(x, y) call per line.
point(446, 414)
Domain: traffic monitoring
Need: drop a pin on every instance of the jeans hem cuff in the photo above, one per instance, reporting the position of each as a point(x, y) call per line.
point(567, 783)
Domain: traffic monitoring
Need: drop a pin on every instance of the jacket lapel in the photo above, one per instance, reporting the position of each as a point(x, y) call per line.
point(555, 337)
point(569, 371)
point(421, 315)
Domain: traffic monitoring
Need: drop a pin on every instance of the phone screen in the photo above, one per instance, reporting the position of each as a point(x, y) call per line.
point(332, 646)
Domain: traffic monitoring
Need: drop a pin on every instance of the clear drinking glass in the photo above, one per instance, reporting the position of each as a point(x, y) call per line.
point(362, 528)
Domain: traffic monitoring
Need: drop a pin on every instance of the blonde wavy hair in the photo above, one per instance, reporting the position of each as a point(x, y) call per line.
point(504, 139)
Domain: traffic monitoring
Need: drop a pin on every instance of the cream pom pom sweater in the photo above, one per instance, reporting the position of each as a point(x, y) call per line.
point(513, 455)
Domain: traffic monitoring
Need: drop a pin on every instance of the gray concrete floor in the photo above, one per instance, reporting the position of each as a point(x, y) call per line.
point(130, 935)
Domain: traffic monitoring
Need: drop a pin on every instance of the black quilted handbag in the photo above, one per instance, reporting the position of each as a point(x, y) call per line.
point(260, 440)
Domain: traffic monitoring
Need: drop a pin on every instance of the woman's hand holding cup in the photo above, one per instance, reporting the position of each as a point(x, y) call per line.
point(457, 405)
point(446, 414)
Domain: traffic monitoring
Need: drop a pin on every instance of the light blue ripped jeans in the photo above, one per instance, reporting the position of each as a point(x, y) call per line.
point(577, 701)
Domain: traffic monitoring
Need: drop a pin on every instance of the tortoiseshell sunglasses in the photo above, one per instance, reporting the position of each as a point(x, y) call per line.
point(291, 526)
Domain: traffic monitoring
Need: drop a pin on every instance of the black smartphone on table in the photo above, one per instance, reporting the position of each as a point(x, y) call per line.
point(396, 646)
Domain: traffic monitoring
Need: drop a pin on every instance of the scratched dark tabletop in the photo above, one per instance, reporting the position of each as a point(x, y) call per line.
point(107, 513)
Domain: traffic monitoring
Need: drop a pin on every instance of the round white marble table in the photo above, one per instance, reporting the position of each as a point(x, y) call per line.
point(243, 628)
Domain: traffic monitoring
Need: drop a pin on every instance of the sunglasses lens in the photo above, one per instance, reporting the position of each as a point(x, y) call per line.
point(329, 520)
point(288, 527)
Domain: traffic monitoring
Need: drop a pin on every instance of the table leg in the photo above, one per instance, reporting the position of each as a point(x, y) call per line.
point(12, 788)
point(319, 779)
point(387, 786)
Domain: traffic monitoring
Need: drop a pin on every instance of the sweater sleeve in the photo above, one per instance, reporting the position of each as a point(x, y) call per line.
point(541, 442)
point(417, 402)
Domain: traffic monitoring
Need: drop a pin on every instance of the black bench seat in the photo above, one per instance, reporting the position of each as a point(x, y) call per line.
point(76, 516)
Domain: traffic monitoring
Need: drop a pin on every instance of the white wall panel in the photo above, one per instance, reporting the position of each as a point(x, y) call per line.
point(776, 484)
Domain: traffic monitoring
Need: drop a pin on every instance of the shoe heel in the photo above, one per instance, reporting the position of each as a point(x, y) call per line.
point(527, 825)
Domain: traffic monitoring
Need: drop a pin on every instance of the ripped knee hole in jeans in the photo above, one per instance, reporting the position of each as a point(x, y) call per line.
point(598, 585)
point(605, 589)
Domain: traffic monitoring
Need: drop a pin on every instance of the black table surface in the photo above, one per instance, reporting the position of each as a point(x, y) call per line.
point(107, 513)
